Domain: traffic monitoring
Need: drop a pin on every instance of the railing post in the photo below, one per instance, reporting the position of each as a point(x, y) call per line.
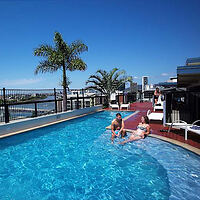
point(56, 110)
point(66, 99)
point(77, 102)
point(123, 96)
point(92, 101)
point(118, 99)
point(97, 100)
point(71, 103)
point(83, 98)
point(101, 99)
point(35, 109)
point(6, 111)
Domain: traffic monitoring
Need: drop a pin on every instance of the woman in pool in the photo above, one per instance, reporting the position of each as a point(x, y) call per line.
point(143, 130)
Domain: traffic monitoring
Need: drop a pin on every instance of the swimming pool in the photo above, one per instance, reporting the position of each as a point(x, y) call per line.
point(75, 160)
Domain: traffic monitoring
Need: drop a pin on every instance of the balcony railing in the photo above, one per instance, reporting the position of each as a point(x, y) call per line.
point(19, 103)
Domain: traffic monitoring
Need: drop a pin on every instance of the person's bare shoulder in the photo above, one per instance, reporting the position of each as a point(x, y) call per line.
point(113, 121)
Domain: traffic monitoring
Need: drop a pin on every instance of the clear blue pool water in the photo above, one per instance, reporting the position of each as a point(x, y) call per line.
point(75, 160)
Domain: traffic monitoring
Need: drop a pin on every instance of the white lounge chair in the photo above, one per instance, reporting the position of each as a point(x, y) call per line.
point(155, 116)
point(114, 106)
point(123, 105)
point(113, 97)
point(158, 105)
point(194, 128)
point(187, 127)
point(179, 124)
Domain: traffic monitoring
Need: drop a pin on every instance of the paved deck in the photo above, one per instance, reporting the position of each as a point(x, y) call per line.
point(132, 122)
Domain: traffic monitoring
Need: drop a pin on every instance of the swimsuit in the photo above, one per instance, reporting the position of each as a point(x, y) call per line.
point(155, 97)
point(142, 129)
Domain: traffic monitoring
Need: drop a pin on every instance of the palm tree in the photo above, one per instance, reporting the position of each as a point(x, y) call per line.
point(108, 82)
point(61, 57)
point(68, 82)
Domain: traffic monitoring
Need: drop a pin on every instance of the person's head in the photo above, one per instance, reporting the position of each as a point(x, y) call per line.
point(157, 89)
point(118, 116)
point(145, 119)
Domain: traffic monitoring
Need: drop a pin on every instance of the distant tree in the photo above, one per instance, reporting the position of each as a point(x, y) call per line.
point(61, 57)
point(108, 82)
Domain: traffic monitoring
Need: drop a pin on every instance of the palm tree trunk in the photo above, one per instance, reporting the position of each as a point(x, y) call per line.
point(107, 99)
point(109, 95)
point(64, 88)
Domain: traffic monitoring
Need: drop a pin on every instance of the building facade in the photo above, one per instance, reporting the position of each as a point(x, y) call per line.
point(183, 102)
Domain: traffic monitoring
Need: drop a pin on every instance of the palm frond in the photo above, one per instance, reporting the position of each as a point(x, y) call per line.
point(95, 88)
point(43, 50)
point(96, 77)
point(46, 66)
point(58, 40)
point(112, 72)
point(103, 73)
point(61, 45)
point(118, 74)
point(94, 82)
point(77, 64)
point(77, 47)
point(130, 78)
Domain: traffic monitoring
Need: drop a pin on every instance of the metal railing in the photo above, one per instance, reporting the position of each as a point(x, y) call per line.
point(22, 103)
point(182, 105)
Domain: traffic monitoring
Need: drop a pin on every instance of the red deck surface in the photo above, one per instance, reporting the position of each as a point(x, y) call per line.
point(132, 122)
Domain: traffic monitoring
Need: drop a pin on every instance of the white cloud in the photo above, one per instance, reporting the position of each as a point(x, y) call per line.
point(20, 82)
point(135, 77)
point(164, 74)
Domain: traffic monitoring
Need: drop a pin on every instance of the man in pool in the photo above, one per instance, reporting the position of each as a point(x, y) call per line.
point(117, 127)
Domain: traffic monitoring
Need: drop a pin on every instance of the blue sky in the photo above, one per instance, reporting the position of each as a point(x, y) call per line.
point(143, 37)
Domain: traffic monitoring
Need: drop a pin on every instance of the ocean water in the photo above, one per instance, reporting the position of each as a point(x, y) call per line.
point(76, 160)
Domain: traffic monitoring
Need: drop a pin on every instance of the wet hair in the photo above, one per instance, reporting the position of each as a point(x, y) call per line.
point(146, 119)
point(118, 114)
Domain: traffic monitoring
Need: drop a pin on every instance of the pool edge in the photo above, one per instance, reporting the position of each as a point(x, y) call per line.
point(175, 142)
point(48, 124)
